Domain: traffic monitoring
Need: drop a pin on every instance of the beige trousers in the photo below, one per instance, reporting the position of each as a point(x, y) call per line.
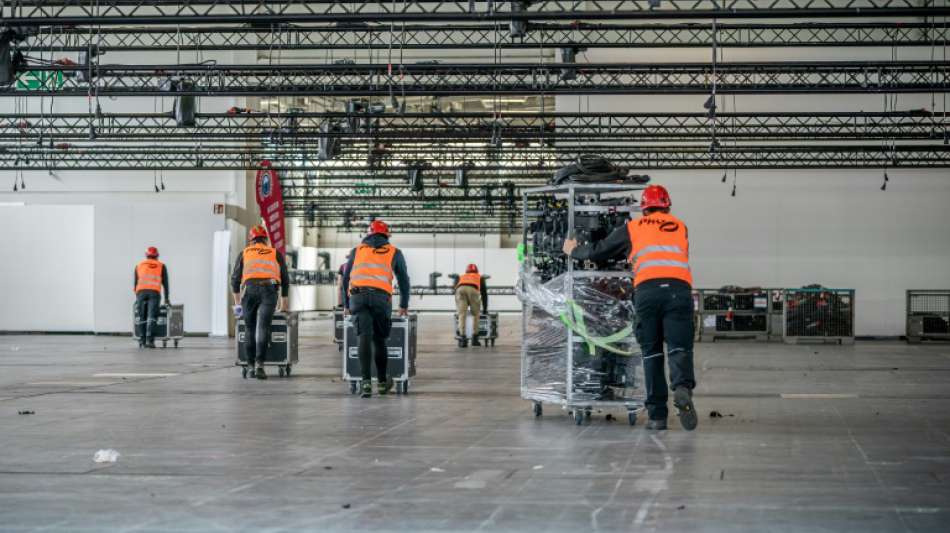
point(468, 297)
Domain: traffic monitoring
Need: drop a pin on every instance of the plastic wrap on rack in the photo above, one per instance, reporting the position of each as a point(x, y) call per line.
point(599, 311)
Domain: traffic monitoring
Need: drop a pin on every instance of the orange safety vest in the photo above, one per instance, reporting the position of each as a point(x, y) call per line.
point(260, 262)
point(659, 248)
point(474, 279)
point(373, 267)
point(149, 273)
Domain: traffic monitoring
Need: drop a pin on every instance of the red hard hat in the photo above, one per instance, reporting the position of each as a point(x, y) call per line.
point(378, 226)
point(655, 196)
point(472, 268)
point(256, 232)
point(152, 252)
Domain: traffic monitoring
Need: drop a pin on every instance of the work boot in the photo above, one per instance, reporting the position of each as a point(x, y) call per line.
point(150, 343)
point(260, 374)
point(475, 341)
point(463, 342)
point(383, 387)
point(683, 401)
point(141, 343)
point(367, 389)
point(656, 425)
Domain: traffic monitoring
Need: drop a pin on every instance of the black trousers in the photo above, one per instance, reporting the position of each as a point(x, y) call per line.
point(147, 305)
point(665, 314)
point(259, 303)
point(372, 313)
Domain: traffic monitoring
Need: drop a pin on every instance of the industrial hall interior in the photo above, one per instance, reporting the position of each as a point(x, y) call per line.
point(475, 266)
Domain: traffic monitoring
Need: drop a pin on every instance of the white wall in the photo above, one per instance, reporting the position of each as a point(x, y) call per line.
point(47, 278)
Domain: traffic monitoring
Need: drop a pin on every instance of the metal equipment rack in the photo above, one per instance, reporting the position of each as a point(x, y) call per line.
point(928, 315)
point(282, 351)
point(170, 325)
point(740, 314)
point(487, 327)
point(401, 345)
point(819, 315)
point(550, 370)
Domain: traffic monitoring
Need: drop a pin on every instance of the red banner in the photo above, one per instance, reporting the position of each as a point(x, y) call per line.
point(270, 200)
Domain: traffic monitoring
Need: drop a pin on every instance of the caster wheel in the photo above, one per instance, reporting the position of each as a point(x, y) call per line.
point(578, 417)
point(280, 371)
point(353, 387)
point(587, 414)
point(405, 387)
point(538, 410)
point(632, 417)
point(287, 371)
point(164, 344)
point(244, 372)
point(176, 344)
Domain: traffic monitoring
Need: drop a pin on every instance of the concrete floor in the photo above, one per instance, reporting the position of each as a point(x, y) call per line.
point(203, 450)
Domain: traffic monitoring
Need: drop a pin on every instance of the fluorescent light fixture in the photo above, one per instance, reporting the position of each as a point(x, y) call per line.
point(12, 204)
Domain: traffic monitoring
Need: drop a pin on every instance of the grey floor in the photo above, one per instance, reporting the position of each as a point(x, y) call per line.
point(813, 438)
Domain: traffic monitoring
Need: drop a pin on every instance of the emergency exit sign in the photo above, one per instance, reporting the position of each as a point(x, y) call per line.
point(40, 79)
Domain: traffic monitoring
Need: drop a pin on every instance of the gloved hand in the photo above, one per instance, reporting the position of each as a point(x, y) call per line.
point(238, 311)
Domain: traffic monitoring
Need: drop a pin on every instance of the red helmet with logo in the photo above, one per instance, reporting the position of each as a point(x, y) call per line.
point(256, 232)
point(472, 268)
point(378, 226)
point(152, 252)
point(655, 196)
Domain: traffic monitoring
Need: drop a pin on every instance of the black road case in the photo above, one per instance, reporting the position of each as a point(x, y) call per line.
point(169, 327)
point(338, 327)
point(402, 353)
point(282, 351)
point(487, 327)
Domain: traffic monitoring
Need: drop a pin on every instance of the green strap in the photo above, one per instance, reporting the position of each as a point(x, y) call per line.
point(574, 320)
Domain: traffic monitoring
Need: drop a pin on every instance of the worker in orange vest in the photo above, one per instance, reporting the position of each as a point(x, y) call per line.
point(368, 289)
point(657, 247)
point(150, 277)
point(261, 271)
point(470, 294)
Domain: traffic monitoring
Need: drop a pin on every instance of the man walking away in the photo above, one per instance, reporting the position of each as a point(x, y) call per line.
point(657, 247)
point(150, 277)
point(368, 287)
point(261, 271)
point(470, 294)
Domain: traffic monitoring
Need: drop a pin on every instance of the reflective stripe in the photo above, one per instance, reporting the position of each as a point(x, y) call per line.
point(261, 270)
point(262, 263)
point(387, 279)
point(372, 265)
point(657, 248)
point(662, 263)
point(149, 277)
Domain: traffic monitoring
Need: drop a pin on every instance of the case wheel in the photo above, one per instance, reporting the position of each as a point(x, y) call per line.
point(578, 416)
point(404, 386)
point(632, 417)
point(244, 372)
point(280, 371)
point(164, 344)
point(287, 370)
point(538, 409)
point(176, 343)
point(353, 387)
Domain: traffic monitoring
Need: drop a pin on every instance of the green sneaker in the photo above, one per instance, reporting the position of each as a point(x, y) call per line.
point(367, 388)
point(383, 390)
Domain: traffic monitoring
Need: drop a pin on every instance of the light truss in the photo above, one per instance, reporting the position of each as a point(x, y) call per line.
point(485, 36)
point(497, 78)
point(29, 157)
point(118, 12)
point(393, 128)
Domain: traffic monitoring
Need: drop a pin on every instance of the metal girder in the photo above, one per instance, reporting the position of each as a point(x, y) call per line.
point(25, 157)
point(498, 78)
point(119, 12)
point(397, 129)
point(486, 36)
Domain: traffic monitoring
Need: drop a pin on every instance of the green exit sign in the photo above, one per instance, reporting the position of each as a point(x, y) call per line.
point(40, 79)
point(365, 189)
